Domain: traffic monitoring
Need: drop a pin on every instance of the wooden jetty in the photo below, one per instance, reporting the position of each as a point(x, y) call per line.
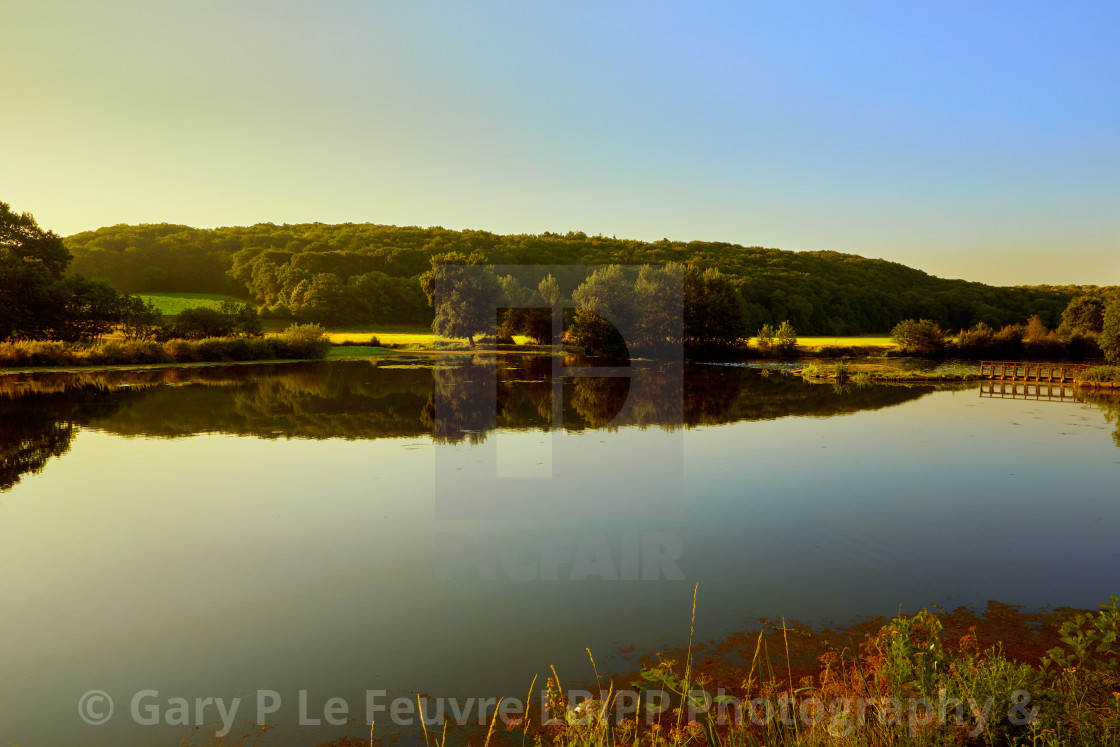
point(1035, 373)
point(1022, 390)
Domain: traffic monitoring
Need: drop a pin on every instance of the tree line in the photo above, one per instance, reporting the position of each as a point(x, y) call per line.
point(370, 274)
point(1089, 328)
point(50, 315)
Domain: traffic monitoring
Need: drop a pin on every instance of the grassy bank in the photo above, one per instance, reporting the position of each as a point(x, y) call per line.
point(926, 679)
point(858, 374)
point(299, 342)
point(1002, 678)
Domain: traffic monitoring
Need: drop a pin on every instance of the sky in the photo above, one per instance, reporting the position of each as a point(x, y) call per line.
point(968, 139)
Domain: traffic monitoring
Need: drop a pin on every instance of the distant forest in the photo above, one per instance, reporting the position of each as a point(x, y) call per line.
point(369, 274)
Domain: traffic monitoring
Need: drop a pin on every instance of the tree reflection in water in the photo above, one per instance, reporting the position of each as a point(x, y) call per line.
point(451, 399)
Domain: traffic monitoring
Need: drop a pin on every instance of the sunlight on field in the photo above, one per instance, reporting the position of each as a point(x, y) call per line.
point(429, 338)
point(420, 339)
point(391, 338)
point(170, 304)
point(883, 342)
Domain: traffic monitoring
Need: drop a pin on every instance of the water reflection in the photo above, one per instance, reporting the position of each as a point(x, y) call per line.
point(451, 399)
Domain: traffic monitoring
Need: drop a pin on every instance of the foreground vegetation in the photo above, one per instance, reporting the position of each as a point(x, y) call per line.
point(907, 683)
point(932, 679)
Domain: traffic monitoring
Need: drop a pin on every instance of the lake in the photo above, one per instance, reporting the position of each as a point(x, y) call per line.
point(455, 525)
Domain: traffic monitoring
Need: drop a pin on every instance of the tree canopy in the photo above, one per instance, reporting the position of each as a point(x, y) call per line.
point(1110, 333)
point(366, 273)
point(37, 298)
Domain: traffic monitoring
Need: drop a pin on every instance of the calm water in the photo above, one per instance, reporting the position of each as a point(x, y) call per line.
point(456, 526)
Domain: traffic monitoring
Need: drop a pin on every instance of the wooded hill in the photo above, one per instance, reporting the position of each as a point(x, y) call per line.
point(368, 274)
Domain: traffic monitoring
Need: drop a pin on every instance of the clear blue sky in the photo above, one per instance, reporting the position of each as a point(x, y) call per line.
point(969, 139)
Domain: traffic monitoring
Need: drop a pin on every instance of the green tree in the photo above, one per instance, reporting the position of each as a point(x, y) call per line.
point(32, 261)
point(714, 312)
point(539, 321)
point(140, 320)
point(201, 322)
point(766, 334)
point(549, 291)
point(1084, 314)
point(920, 337)
point(464, 293)
point(604, 299)
point(1110, 331)
point(513, 317)
point(786, 338)
point(659, 299)
point(1036, 331)
point(84, 309)
point(246, 320)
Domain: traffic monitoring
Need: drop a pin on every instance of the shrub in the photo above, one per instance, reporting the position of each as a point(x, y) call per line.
point(976, 340)
point(35, 353)
point(1036, 331)
point(919, 337)
point(201, 322)
point(786, 338)
point(1101, 374)
point(300, 341)
point(1083, 347)
point(1009, 340)
point(766, 337)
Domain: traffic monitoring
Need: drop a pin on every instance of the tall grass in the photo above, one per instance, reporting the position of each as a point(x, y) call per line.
point(298, 342)
point(906, 684)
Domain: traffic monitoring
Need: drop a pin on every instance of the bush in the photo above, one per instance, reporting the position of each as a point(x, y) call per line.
point(300, 341)
point(919, 337)
point(979, 339)
point(766, 337)
point(201, 322)
point(1101, 374)
point(373, 342)
point(786, 338)
point(34, 353)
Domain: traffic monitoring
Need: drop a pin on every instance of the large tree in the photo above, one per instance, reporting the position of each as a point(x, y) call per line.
point(714, 313)
point(1110, 333)
point(604, 303)
point(465, 294)
point(1083, 314)
point(32, 261)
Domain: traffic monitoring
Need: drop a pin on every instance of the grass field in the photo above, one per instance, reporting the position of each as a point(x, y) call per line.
point(392, 338)
point(170, 304)
point(419, 336)
point(871, 340)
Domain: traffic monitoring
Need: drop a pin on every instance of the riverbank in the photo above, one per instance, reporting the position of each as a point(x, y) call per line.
point(873, 373)
point(298, 342)
point(1000, 677)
